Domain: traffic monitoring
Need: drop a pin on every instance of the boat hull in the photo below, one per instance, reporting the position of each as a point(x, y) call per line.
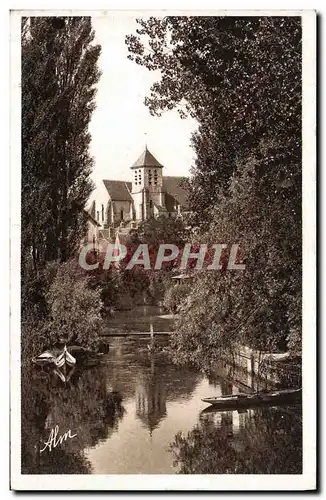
point(241, 401)
point(65, 359)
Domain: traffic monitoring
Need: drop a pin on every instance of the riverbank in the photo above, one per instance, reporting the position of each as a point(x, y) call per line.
point(254, 369)
point(159, 409)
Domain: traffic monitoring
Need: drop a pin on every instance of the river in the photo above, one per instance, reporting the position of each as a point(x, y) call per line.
point(137, 413)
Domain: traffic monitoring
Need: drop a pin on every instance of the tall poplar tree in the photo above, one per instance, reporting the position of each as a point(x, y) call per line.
point(59, 74)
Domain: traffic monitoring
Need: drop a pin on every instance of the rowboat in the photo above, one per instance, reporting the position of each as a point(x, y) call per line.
point(46, 358)
point(235, 401)
point(65, 358)
point(64, 377)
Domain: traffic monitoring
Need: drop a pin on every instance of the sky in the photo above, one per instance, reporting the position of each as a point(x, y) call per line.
point(121, 119)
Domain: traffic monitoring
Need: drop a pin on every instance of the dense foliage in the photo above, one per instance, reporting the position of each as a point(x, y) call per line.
point(59, 73)
point(66, 308)
point(260, 306)
point(240, 78)
point(174, 296)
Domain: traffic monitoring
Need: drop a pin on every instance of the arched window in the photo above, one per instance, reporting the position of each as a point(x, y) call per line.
point(121, 214)
point(97, 215)
point(150, 203)
point(102, 212)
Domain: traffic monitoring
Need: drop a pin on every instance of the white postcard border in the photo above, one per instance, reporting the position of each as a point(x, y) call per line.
point(152, 482)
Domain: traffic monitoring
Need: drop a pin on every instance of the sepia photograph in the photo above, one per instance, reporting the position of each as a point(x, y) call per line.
point(163, 183)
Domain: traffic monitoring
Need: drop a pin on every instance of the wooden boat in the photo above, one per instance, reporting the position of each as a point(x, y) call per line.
point(64, 377)
point(235, 401)
point(46, 358)
point(65, 358)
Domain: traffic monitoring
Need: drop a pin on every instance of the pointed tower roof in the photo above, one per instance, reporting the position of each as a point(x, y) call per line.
point(146, 159)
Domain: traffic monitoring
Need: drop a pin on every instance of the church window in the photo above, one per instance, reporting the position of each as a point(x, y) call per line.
point(150, 203)
point(97, 215)
point(121, 214)
point(102, 212)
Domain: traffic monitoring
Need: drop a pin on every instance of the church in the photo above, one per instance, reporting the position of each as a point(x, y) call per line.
point(121, 204)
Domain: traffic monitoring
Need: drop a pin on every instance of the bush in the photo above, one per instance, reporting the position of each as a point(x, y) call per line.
point(71, 310)
point(174, 296)
point(75, 309)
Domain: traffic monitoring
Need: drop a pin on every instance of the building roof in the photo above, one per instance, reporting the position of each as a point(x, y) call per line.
point(118, 190)
point(175, 193)
point(174, 189)
point(146, 159)
point(91, 218)
point(91, 209)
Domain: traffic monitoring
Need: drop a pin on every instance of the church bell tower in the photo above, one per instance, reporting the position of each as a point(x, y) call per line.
point(147, 185)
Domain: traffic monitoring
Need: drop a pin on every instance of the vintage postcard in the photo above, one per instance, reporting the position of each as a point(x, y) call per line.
point(163, 250)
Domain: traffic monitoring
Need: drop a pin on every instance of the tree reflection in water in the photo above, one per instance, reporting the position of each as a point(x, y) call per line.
point(83, 405)
point(260, 441)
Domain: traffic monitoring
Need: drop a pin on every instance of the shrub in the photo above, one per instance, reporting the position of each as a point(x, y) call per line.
point(75, 309)
point(71, 310)
point(174, 296)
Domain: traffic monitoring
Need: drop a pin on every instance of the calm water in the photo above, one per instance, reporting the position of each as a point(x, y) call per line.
point(136, 413)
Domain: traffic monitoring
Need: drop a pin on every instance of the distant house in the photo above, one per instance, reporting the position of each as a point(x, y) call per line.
point(148, 194)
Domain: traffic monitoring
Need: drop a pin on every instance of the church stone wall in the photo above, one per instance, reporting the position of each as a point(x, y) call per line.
point(138, 202)
point(123, 206)
point(100, 196)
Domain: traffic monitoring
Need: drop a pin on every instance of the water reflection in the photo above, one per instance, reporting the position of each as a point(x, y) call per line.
point(136, 413)
point(260, 441)
point(84, 406)
point(150, 403)
point(140, 319)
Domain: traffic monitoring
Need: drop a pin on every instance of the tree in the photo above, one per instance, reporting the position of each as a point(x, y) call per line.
point(240, 78)
point(59, 73)
point(259, 306)
point(174, 295)
point(74, 309)
point(60, 304)
point(160, 230)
